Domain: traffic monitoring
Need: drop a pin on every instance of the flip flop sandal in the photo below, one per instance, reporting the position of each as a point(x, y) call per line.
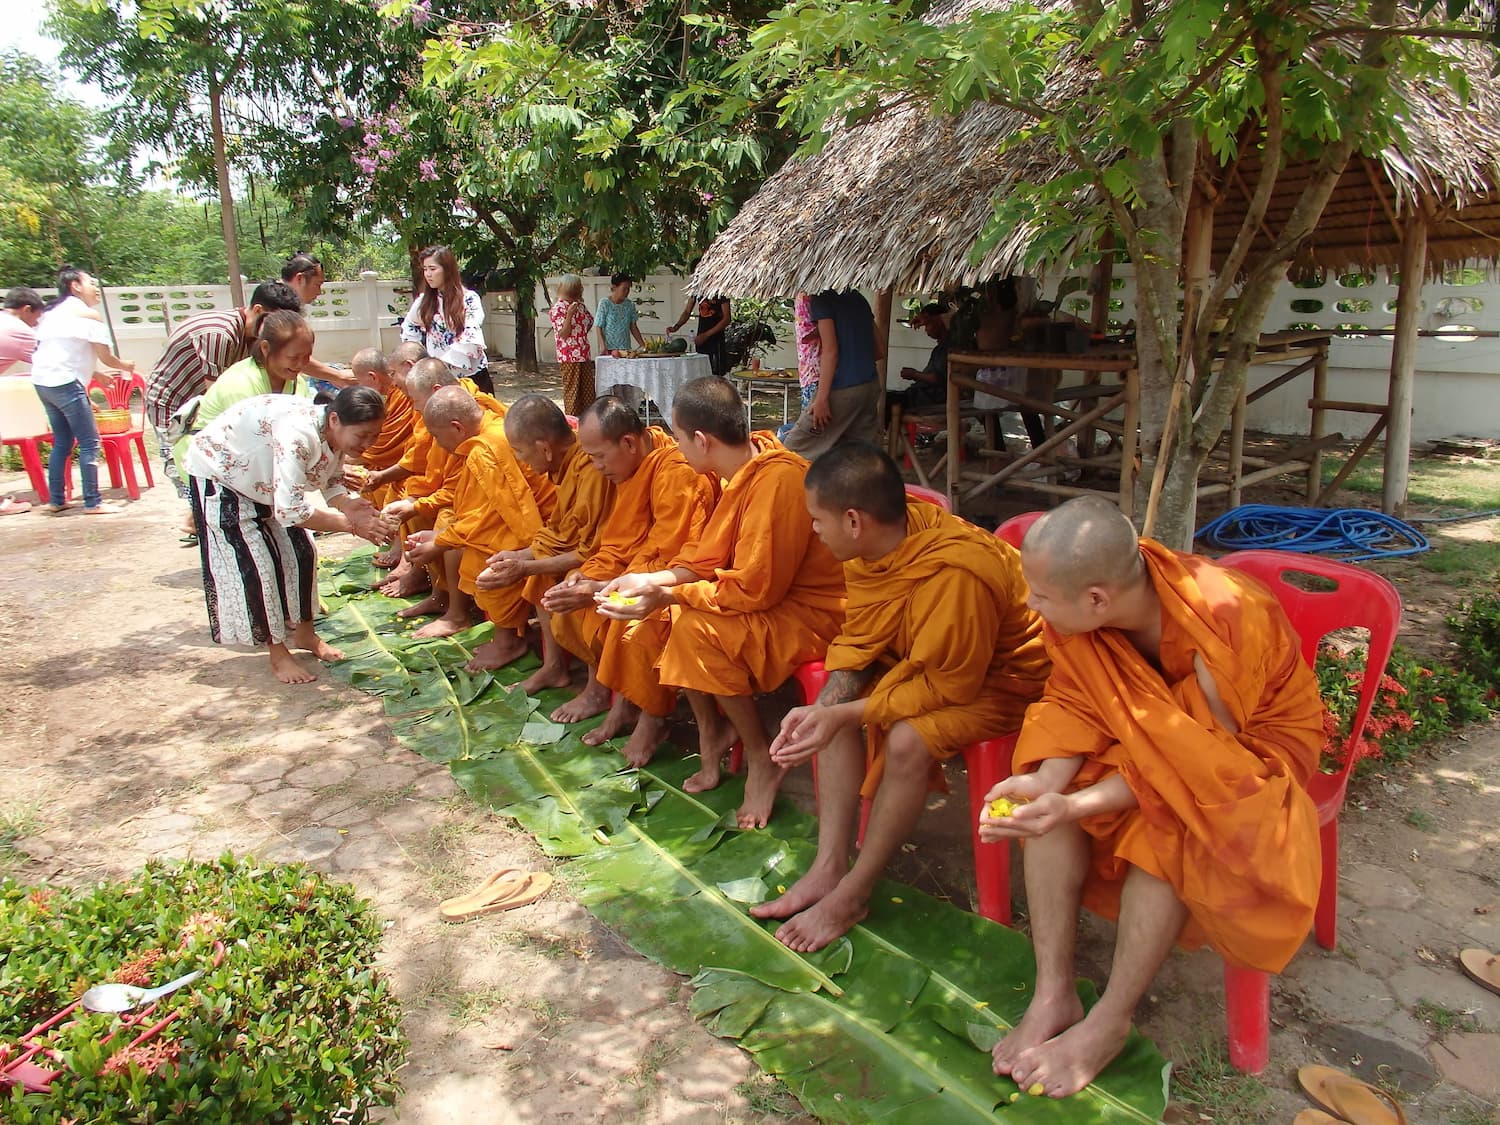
point(506, 889)
point(1349, 1099)
point(1482, 967)
point(1317, 1117)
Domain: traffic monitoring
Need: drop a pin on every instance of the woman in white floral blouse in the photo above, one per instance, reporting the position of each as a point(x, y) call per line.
point(447, 319)
point(251, 470)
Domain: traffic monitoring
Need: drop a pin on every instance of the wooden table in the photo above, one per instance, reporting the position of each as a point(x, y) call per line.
point(1125, 393)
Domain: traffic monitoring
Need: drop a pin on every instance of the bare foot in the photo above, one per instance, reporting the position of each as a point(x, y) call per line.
point(807, 891)
point(287, 668)
point(305, 637)
point(760, 797)
point(387, 559)
point(1066, 1064)
point(1043, 1020)
point(713, 744)
point(405, 581)
point(589, 702)
point(622, 713)
point(505, 649)
point(650, 732)
point(823, 923)
point(548, 677)
point(435, 602)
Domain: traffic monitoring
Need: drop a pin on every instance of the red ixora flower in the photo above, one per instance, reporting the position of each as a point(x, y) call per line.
point(150, 1057)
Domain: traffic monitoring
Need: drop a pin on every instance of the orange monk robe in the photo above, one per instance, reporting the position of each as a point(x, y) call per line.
point(584, 497)
point(390, 446)
point(1224, 818)
point(435, 475)
point(769, 596)
point(946, 611)
point(493, 510)
point(663, 507)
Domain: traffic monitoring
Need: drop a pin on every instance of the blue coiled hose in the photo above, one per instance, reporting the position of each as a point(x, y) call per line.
point(1352, 534)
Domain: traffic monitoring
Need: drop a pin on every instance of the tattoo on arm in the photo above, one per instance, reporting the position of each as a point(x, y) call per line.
point(845, 685)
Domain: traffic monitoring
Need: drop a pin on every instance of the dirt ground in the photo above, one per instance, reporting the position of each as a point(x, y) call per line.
point(129, 735)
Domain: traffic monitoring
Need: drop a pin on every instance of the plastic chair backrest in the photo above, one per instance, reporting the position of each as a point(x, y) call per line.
point(1360, 599)
point(931, 495)
point(1014, 529)
point(21, 412)
point(123, 392)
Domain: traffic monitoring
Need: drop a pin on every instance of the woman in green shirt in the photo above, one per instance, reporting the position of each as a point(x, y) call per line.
point(282, 348)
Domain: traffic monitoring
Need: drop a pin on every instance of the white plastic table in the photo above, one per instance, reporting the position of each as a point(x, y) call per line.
point(658, 376)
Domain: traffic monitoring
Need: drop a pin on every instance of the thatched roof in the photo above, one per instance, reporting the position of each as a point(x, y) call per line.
point(899, 201)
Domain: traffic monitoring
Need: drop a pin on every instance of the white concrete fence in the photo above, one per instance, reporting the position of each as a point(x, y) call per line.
point(1456, 378)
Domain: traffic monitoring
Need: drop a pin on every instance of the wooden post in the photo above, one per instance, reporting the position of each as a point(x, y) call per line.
point(1237, 447)
point(953, 429)
point(1130, 441)
point(1319, 424)
point(883, 346)
point(1404, 364)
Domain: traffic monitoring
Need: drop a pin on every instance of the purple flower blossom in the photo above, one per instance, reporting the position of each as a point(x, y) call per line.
point(372, 139)
point(429, 169)
point(421, 13)
point(394, 127)
point(386, 154)
point(346, 122)
point(365, 165)
point(706, 196)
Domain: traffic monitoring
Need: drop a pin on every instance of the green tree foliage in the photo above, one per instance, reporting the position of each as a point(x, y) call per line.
point(1134, 108)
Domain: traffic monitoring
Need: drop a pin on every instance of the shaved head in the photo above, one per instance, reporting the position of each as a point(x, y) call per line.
point(368, 359)
point(408, 351)
point(426, 377)
point(1086, 542)
point(452, 404)
point(534, 418)
point(613, 416)
point(710, 405)
point(854, 474)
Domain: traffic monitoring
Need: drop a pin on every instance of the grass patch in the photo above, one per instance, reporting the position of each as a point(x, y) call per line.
point(1203, 1077)
point(1470, 1115)
point(769, 1096)
point(1466, 558)
point(383, 802)
point(18, 819)
point(1435, 482)
point(1422, 820)
point(1445, 1019)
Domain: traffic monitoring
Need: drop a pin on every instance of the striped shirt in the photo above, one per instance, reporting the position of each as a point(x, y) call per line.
point(202, 346)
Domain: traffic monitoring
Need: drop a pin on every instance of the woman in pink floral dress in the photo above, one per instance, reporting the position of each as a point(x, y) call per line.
point(571, 323)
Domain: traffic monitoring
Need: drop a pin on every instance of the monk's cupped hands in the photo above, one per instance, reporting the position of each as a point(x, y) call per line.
point(399, 510)
point(1038, 810)
point(504, 568)
point(573, 592)
point(421, 548)
point(365, 520)
point(806, 730)
point(632, 597)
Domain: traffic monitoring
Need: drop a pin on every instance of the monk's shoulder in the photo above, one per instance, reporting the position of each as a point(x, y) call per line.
point(1251, 618)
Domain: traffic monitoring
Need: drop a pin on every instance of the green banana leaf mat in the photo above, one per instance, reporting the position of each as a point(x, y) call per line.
point(892, 1023)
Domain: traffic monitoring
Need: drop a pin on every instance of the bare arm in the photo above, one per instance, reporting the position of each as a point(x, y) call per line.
point(109, 359)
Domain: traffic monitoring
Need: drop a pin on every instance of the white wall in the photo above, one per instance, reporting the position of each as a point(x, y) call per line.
point(1456, 379)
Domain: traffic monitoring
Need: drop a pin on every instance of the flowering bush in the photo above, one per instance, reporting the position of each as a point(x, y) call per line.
point(1415, 705)
point(293, 1025)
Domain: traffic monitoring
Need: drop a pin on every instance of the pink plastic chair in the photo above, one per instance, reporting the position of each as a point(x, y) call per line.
point(1014, 530)
point(1359, 600)
point(119, 392)
point(931, 495)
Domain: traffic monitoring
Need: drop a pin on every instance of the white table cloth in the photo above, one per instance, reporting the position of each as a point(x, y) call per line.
point(658, 376)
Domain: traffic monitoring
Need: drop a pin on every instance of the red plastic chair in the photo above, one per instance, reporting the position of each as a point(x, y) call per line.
point(1359, 599)
point(1014, 530)
point(931, 495)
point(572, 421)
point(119, 392)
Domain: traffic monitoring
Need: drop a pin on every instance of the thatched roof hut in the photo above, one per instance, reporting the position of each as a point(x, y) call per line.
point(898, 202)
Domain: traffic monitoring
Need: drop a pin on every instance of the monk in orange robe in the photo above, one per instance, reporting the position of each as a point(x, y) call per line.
point(544, 442)
point(388, 376)
point(494, 509)
point(1164, 772)
point(756, 595)
point(938, 651)
point(661, 504)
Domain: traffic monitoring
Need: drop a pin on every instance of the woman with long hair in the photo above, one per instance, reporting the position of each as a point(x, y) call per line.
point(283, 345)
point(447, 319)
point(71, 339)
point(251, 471)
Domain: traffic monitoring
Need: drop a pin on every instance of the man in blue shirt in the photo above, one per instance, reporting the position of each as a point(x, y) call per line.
point(848, 399)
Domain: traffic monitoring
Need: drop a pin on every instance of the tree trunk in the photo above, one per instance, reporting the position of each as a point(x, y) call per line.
point(226, 197)
point(525, 322)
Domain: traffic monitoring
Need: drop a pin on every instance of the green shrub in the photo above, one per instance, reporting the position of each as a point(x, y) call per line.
point(293, 1025)
point(1415, 705)
point(1476, 626)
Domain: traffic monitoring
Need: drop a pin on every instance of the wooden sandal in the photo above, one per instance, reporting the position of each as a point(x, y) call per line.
point(1482, 967)
point(506, 889)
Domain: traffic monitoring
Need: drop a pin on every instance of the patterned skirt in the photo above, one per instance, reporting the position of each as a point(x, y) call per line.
point(578, 386)
point(257, 575)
